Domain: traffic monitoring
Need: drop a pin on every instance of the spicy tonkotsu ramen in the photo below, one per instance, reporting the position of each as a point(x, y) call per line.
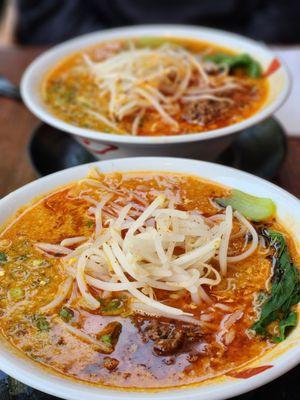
point(155, 86)
point(146, 280)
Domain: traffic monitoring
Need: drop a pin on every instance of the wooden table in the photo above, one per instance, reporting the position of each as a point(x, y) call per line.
point(16, 124)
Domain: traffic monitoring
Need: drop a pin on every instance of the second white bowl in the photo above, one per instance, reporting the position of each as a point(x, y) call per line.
point(205, 145)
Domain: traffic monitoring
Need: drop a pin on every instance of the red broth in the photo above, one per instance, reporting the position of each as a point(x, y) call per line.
point(75, 95)
point(30, 279)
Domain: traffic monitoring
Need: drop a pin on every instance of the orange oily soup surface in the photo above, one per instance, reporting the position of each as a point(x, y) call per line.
point(88, 98)
point(29, 280)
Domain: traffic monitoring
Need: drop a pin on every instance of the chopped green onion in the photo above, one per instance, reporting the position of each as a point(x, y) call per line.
point(16, 293)
point(3, 257)
point(66, 313)
point(114, 307)
point(110, 334)
point(252, 207)
point(106, 339)
point(42, 324)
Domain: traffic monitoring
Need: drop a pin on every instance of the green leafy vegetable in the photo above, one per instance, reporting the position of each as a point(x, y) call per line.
point(285, 325)
point(66, 313)
point(3, 257)
point(42, 324)
point(285, 291)
point(16, 293)
point(252, 67)
point(252, 207)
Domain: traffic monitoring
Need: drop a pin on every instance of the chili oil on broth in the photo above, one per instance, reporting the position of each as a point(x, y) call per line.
point(29, 281)
point(72, 94)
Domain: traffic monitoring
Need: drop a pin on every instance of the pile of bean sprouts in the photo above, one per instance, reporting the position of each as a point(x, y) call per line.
point(138, 246)
point(161, 79)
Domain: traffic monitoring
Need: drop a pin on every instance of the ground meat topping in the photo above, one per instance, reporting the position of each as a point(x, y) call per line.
point(169, 338)
point(205, 111)
point(170, 345)
point(110, 363)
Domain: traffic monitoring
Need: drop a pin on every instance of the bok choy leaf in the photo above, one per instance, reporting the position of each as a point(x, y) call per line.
point(251, 66)
point(252, 207)
point(285, 290)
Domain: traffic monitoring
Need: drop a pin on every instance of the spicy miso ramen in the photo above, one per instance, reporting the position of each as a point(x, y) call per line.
point(155, 86)
point(146, 280)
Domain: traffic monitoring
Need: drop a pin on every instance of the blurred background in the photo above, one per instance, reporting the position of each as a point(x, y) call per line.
point(52, 21)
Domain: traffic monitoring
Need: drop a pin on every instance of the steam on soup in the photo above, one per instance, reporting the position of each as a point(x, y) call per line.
point(155, 86)
point(146, 280)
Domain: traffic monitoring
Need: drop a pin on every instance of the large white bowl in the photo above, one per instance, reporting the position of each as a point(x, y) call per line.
point(285, 356)
point(205, 145)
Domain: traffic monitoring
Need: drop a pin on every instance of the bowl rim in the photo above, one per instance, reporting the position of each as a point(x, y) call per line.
point(44, 380)
point(171, 30)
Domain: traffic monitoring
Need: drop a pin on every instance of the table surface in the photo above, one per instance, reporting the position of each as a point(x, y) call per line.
point(17, 123)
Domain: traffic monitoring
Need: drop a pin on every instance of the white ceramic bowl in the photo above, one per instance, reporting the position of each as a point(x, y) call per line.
point(281, 359)
point(206, 145)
